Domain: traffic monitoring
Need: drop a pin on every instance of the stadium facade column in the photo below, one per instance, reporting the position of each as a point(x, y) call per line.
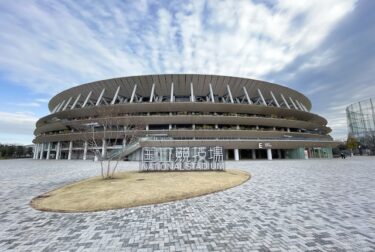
point(104, 147)
point(57, 156)
point(48, 150)
point(85, 150)
point(253, 154)
point(192, 99)
point(70, 150)
point(247, 95)
point(58, 150)
point(269, 154)
point(35, 151)
point(236, 155)
point(41, 151)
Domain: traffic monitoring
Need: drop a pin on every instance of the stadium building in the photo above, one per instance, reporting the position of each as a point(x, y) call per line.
point(250, 119)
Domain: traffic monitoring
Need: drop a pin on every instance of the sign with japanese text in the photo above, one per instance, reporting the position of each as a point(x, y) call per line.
point(182, 158)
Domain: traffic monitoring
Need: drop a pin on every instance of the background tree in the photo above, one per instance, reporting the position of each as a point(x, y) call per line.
point(20, 151)
point(339, 149)
point(15, 151)
point(2, 151)
point(29, 152)
point(11, 151)
point(351, 143)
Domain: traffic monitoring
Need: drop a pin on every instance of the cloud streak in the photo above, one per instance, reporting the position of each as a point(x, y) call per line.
point(17, 127)
point(50, 45)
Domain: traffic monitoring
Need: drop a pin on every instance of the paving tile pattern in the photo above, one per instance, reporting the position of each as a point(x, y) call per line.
point(313, 205)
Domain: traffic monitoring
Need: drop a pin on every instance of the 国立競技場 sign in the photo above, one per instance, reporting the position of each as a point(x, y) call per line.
point(182, 158)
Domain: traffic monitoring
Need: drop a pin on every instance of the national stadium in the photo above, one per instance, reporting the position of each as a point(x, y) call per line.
point(249, 119)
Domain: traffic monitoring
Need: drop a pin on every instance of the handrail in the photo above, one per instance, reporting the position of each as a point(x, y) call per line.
point(127, 150)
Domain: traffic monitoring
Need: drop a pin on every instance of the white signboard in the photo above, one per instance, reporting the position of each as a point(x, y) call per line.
point(264, 145)
point(182, 158)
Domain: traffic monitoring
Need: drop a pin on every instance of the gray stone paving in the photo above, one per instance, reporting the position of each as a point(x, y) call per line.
point(313, 205)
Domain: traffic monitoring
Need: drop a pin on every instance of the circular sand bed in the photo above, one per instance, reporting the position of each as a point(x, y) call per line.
point(130, 189)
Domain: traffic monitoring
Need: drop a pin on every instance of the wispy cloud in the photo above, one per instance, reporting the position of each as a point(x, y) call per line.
point(12, 125)
point(34, 103)
point(41, 100)
point(50, 46)
point(25, 104)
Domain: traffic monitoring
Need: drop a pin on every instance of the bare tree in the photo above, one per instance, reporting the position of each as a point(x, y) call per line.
point(113, 130)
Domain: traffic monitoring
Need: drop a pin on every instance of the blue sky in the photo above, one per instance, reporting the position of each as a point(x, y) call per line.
point(324, 49)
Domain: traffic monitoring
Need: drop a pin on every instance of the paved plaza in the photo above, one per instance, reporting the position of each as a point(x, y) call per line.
point(312, 205)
